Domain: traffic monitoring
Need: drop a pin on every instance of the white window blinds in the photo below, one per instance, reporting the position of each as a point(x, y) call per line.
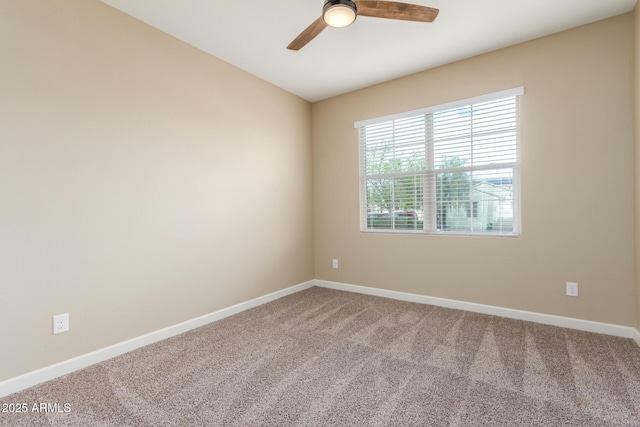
point(452, 168)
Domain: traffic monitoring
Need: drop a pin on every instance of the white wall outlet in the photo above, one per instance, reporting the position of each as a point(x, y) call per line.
point(60, 323)
point(572, 289)
point(335, 263)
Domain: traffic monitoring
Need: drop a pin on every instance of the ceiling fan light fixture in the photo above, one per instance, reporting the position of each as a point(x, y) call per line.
point(339, 13)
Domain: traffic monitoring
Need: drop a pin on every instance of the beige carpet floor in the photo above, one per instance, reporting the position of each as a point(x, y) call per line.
point(322, 357)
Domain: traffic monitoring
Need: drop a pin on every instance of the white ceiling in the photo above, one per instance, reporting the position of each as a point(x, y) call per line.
point(253, 35)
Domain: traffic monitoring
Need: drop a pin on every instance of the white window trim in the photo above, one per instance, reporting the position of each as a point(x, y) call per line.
point(517, 232)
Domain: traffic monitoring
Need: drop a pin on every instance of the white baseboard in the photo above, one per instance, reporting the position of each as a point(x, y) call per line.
point(547, 319)
point(30, 379)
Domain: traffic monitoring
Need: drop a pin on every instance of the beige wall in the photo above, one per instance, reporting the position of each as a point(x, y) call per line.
point(577, 182)
point(143, 182)
point(636, 121)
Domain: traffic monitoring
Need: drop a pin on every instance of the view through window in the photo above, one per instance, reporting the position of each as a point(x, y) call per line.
point(446, 169)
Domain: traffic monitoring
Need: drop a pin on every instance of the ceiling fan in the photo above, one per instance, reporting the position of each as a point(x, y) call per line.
point(341, 13)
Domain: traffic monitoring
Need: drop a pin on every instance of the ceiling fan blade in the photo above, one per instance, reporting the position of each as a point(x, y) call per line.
point(308, 34)
point(396, 10)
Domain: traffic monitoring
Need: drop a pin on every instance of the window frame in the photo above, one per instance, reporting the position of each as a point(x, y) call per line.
point(430, 171)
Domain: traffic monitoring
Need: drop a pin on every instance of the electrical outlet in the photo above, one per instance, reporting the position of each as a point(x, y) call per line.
point(335, 263)
point(572, 289)
point(60, 323)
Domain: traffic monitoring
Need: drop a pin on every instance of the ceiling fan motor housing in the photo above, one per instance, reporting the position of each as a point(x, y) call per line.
point(339, 13)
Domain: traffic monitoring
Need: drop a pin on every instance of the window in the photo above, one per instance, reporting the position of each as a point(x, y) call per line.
point(448, 169)
point(474, 212)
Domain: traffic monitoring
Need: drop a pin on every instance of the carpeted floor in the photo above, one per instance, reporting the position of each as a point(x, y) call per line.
point(322, 357)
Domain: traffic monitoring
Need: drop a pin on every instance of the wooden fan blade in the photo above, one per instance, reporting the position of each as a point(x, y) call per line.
point(396, 10)
point(308, 34)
